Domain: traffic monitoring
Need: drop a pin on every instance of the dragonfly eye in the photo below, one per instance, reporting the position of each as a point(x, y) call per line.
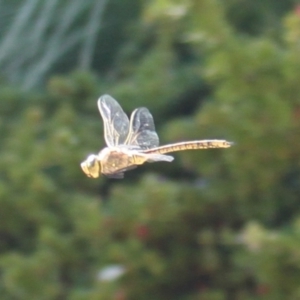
point(91, 166)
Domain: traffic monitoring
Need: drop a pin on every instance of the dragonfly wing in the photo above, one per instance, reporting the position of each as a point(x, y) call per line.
point(116, 122)
point(142, 130)
point(159, 157)
point(120, 173)
point(115, 175)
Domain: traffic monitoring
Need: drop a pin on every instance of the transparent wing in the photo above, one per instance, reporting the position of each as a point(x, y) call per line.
point(115, 175)
point(142, 129)
point(120, 173)
point(115, 121)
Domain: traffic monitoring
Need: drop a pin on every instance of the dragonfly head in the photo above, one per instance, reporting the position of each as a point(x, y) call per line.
point(91, 166)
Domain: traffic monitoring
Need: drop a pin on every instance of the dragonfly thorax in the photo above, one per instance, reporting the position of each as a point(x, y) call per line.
point(116, 159)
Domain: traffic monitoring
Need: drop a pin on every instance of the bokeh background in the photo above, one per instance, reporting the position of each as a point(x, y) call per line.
point(220, 224)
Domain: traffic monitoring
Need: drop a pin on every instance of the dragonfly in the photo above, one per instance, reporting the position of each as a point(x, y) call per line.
point(133, 142)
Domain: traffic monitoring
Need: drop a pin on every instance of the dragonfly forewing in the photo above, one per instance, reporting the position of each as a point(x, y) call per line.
point(115, 121)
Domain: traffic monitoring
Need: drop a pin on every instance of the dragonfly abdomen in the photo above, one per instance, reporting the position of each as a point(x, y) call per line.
point(192, 145)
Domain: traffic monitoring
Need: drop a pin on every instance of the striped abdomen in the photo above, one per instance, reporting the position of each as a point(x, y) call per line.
point(192, 145)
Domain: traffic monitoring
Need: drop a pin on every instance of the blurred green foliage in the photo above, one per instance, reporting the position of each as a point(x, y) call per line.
point(213, 225)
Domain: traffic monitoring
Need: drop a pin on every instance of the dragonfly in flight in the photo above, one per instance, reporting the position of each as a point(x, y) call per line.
point(133, 142)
